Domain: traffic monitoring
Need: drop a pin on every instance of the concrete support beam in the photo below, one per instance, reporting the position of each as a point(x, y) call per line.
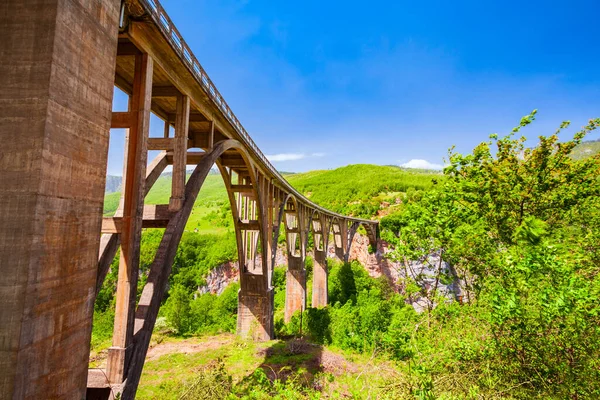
point(57, 62)
point(133, 205)
point(320, 287)
point(179, 152)
point(339, 253)
point(295, 287)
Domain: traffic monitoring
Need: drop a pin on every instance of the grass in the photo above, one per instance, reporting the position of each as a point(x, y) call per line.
point(311, 367)
point(208, 207)
point(361, 189)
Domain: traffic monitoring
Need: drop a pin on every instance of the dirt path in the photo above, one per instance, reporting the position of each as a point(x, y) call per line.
point(185, 346)
point(189, 346)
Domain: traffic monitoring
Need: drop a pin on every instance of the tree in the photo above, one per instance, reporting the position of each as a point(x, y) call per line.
point(177, 309)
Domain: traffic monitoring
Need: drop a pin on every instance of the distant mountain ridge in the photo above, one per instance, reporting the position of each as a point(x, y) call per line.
point(113, 184)
point(586, 149)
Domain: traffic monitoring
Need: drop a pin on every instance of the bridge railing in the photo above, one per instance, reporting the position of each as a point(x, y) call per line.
point(172, 34)
point(164, 23)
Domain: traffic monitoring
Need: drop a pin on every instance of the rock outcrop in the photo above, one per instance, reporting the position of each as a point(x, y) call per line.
point(425, 272)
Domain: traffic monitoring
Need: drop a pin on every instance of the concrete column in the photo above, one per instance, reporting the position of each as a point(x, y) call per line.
point(255, 308)
point(57, 63)
point(295, 287)
point(319, 294)
point(339, 253)
point(134, 176)
point(180, 153)
point(339, 237)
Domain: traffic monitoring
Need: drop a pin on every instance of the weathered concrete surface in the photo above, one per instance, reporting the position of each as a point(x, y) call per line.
point(319, 294)
point(255, 308)
point(57, 61)
point(295, 287)
point(134, 174)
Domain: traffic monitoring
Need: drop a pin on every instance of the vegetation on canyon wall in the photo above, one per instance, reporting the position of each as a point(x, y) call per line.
point(520, 227)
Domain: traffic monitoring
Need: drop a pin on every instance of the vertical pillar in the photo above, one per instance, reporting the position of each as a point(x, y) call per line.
point(57, 62)
point(319, 294)
point(255, 307)
point(320, 285)
point(182, 119)
point(133, 205)
point(256, 295)
point(211, 136)
point(166, 129)
point(295, 287)
point(340, 238)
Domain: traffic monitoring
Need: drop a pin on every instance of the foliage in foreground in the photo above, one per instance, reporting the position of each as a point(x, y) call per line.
point(521, 228)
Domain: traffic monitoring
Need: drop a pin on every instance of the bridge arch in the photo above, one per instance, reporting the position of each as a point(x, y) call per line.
point(248, 206)
point(146, 311)
point(372, 235)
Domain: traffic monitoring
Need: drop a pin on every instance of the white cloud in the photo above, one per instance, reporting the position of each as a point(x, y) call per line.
point(421, 164)
point(292, 156)
point(286, 157)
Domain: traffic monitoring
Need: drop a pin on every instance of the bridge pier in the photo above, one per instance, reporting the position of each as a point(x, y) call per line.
point(295, 287)
point(255, 308)
point(296, 237)
point(56, 78)
point(320, 274)
point(320, 227)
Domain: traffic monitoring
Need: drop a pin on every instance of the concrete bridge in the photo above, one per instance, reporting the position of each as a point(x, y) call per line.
point(59, 63)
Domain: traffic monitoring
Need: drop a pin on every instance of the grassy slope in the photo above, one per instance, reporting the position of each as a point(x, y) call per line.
point(211, 199)
point(348, 189)
point(338, 374)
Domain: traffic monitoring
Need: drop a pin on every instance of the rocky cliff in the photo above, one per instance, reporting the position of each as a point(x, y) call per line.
point(380, 263)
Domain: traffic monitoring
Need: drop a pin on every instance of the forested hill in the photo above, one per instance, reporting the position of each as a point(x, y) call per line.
point(363, 190)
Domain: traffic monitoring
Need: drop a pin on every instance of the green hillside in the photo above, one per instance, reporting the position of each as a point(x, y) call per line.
point(358, 190)
point(211, 213)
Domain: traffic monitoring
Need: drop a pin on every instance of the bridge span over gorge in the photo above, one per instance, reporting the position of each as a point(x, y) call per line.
point(59, 63)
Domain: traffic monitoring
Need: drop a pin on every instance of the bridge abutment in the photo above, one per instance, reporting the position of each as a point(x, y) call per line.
point(56, 74)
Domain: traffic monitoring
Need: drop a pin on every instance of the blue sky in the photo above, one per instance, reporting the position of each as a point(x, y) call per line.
point(330, 83)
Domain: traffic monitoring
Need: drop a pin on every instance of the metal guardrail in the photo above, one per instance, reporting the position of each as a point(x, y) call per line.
point(167, 27)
